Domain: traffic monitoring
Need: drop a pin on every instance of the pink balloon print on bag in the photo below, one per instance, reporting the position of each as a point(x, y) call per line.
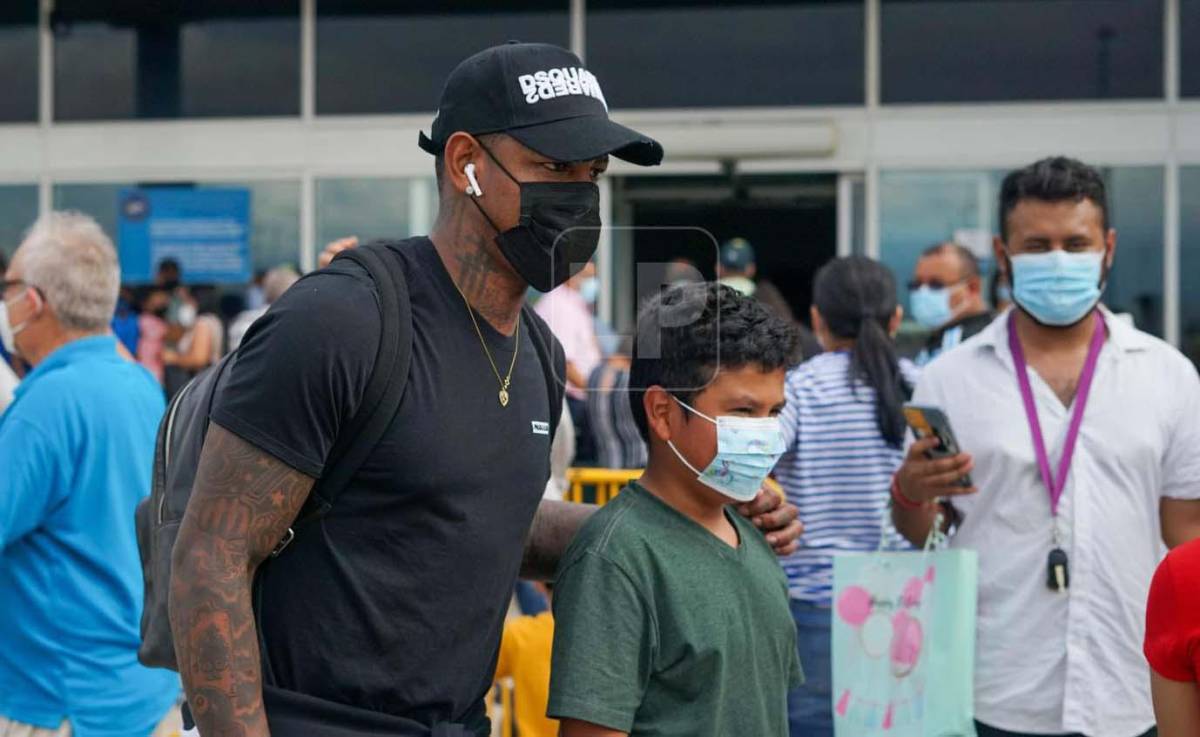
point(886, 627)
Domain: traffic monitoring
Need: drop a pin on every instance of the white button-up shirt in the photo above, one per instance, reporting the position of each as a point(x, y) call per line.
point(1049, 662)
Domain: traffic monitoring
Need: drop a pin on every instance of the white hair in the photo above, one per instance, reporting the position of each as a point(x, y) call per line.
point(277, 281)
point(67, 256)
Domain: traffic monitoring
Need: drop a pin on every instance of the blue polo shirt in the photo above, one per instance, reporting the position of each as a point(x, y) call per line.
point(76, 451)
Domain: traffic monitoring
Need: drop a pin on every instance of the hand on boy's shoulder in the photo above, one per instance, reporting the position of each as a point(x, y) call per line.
point(778, 519)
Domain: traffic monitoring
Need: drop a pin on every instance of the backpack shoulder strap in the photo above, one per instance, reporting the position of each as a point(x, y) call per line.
point(553, 362)
point(385, 389)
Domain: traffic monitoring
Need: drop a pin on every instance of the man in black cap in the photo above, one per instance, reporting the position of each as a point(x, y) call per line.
point(384, 617)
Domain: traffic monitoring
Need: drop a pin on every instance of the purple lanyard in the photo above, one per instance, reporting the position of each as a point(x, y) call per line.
point(1056, 486)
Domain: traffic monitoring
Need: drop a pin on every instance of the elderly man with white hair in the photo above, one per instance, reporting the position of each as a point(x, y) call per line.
point(76, 449)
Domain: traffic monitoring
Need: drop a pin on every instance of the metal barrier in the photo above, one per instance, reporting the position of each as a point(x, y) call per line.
point(602, 483)
point(605, 483)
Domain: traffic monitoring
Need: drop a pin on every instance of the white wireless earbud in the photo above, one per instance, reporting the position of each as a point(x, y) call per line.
point(473, 187)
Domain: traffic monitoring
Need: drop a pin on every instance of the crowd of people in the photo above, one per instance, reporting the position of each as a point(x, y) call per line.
point(699, 601)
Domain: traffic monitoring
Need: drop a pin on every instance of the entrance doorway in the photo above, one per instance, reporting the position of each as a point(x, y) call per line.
point(790, 220)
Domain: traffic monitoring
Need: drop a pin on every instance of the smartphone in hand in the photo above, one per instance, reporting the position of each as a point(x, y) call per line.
point(932, 422)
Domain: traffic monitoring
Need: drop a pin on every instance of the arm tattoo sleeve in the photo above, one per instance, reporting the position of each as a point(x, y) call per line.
point(241, 506)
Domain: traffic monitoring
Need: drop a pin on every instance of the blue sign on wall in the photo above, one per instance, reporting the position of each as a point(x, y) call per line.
point(207, 231)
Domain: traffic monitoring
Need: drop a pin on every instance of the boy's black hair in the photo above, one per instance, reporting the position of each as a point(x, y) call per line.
point(686, 332)
point(1054, 179)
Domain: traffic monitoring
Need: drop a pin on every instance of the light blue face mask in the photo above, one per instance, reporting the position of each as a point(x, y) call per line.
point(589, 289)
point(931, 307)
point(747, 450)
point(1057, 288)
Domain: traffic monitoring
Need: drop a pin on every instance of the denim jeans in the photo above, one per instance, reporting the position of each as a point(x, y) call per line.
point(810, 707)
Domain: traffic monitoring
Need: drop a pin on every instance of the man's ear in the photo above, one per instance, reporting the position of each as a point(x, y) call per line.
point(657, 403)
point(461, 149)
point(1001, 255)
point(1110, 248)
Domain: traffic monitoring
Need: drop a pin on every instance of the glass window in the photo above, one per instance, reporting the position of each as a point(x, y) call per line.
point(1189, 78)
point(96, 200)
point(205, 58)
point(19, 61)
point(374, 208)
point(1189, 261)
point(274, 222)
point(997, 50)
point(380, 56)
point(672, 53)
point(858, 217)
point(18, 210)
point(274, 215)
point(918, 209)
point(1135, 286)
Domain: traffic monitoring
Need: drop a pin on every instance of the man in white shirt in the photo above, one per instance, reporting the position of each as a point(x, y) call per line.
point(1066, 554)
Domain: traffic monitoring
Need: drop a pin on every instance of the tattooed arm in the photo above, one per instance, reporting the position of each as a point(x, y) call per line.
point(241, 506)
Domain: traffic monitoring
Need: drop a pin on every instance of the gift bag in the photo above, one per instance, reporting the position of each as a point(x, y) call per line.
point(904, 643)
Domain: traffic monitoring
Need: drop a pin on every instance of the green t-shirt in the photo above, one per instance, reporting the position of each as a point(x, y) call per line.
point(663, 629)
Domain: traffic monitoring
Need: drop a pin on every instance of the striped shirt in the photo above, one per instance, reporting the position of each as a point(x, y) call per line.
point(619, 442)
point(837, 469)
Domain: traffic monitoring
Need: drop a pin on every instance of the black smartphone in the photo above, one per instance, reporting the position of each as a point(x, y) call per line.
point(932, 422)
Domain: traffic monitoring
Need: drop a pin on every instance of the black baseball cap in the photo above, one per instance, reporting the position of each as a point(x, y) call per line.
point(542, 96)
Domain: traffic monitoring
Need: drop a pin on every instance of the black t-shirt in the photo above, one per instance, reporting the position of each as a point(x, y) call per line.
point(394, 602)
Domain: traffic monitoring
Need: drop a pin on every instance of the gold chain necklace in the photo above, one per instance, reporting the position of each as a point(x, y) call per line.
point(506, 380)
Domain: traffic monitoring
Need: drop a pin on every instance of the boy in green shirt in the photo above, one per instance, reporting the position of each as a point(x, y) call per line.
point(671, 610)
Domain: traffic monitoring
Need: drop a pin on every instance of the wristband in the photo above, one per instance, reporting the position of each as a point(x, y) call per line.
point(900, 499)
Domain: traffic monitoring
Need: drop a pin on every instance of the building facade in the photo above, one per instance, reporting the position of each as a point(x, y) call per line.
point(812, 128)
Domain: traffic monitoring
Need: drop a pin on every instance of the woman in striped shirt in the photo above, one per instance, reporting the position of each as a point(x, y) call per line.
point(844, 425)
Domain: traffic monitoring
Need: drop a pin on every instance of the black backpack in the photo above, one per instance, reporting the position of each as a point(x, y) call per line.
point(183, 428)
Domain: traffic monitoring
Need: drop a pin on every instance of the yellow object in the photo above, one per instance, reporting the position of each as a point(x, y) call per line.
point(525, 658)
point(774, 486)
point(607, 482)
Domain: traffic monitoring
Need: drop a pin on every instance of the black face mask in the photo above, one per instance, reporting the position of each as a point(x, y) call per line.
point(559, 227)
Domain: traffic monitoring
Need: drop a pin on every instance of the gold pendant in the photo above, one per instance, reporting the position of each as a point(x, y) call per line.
point(503, 397)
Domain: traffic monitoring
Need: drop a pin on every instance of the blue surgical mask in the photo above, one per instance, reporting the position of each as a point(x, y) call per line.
point(589, 289)
point(1057, 288)
point(931, 307)
point(747, 450)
